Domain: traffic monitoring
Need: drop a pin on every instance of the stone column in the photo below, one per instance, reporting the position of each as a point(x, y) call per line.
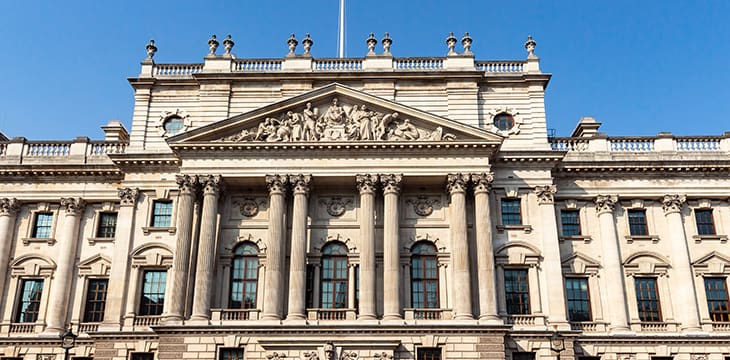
point(682, 279)
point(366, 185)
point(188, 185)
point(551, 263)
point(485, 251)
point(391, 255)
point(274, 282)
point(456, 185)
point(298, 259)
point(9, 209)
point(119, 284)
point(618, 315)
point(212, 186)
point(73, 209)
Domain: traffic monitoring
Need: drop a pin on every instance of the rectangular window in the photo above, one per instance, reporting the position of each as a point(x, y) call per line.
point(570, 222)
point(523, 355)
point(717, 299)
point(231, 354)
point(42, 225)
point(153, 292)
point(647, 299)
point(95, 300)
point(142, 356)
point(705, 224)
point(637, 222)
point(579, 303)
point(309, 297)
point(107, 225)
point(161, 213)
point(516, 291)
point(26, 311)
point(511, 212)
point(428, 354)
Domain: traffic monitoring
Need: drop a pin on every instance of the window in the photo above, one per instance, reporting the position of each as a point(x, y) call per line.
point(153, 292)
point(570, 222)
point(26, 310)
point(717, 299)
point(579, 304)
point(511, 212)
point(173, 125)
point(428, 354)
point(647, 299)
point(705, 225)
point(142, 356)
point(107, 225)
point(310, 286)
point(424, 276)
point(161, 213)
point(334, 276)
point(95, 300)
point(504, 121)
point(637, 222)
point(244, 276)
point(231, 354)
point(42, 225)
point(516, 291)
point(523, 355)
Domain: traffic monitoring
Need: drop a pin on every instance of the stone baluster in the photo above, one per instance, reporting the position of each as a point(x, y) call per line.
point(391, 185)
point(212, 186)
point(683, 280)
point(616, 300)
point(9, 209)
point(482, 184)
point(73, 209)
point(366, 185)
point(274, 278)
point(298, 259)
point(188, 185)
point(456, 185)
point(116, 294)
point(551, 264)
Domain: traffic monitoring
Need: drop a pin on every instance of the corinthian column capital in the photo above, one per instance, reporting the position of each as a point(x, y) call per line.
point(301, 184)
point(366, 183)
point(673, 203)
point(456, 182)
point(73, 206)
point(482, 182)
point(9, 207)
point(605, 203)
point(211, 184)
point(391, 183)
point(276, 183)
point(546, 194)
point(128, 196)
point(188, 184)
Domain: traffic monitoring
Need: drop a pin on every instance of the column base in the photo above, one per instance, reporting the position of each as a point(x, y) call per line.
point(392, 317)
point(295, 317)
point(171, 320)
point(619, 330)
point(110, 326)
point(367, 317)
point(52, 332)
point(199, 319)
point(692, 329)
point(463, 317)
point(270, 317)
point(490, 320)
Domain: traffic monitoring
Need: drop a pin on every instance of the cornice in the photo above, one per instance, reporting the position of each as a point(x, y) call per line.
point(513, 157)
point(146, 161)
point(645, 168)
point(72, 170)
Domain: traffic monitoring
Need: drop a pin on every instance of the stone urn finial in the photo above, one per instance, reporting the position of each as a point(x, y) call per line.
point(466, 42)
point(151, 49)
point(212, 44)
point(451, 42)
point(292, 42)
point(530, 46)
point(228, 44)
point(307, 42)
point(371, 41)
point(387, 42)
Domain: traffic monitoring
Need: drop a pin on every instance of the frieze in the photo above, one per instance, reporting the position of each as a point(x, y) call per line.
point(337, 122)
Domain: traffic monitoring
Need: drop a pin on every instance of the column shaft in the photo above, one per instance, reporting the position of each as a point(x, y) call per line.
point(612, 263)
point(274, 282)
point(391, 254)
point(460, 248)
point(366, 185)
point(206, 248)
point(485, 251)
point(181, 261)
point(551, 264)
point(8, 214)
point(298, 258)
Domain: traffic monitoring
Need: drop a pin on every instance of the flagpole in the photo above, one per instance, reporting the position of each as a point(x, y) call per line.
point(342, 30)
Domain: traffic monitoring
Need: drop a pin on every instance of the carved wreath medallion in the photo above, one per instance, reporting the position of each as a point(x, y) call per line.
point(335, 206)
point(423, 206)
point(248, 207)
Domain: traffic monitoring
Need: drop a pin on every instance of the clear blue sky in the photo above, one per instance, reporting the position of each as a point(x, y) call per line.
point(639, 67)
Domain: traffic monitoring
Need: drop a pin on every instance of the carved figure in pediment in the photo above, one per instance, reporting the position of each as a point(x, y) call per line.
point(335, 114)
point(309, 127)
point(296, 121)
point(406, 131)
point(386, 126)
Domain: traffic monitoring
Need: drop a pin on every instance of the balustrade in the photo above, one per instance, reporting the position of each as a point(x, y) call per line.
point(176, 70)
point(257, 65)
point(337, 64)
point(416, 64)
point(22, 328)
point(504, 66)
point(148, 320)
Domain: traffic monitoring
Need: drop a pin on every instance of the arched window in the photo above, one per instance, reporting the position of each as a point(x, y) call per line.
point(424, 276)
point(244, 276)
point(334, 276)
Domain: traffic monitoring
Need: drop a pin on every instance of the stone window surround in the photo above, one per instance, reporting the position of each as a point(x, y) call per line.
point(224, 267)
point(95, 267)
point(149, 256)
point(443, 259)
point(639, 204)
point(589, 268)
point(105, 207)
point(41, 207)
point(658, 269)
point(702, 270)
point(512, 193)
point(28, 266)
point(707, 204)
point(150, 200)
point(528, 257)
point(572, 204)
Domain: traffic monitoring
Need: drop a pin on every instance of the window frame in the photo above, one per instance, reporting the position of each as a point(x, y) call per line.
point(510, 215)
point(717, 316)
point(576, 225)
point(19, 309)
point(700, 225)
point(647, 314)
point(87, 314)
point(524, 295)
point(505, 119)
point(431, 283)
point(141, 355)
point(101, 225)
point(428, 352)
point(637, 228)
point(586, 301)
point(239, 352)
point(154, 215)
point(141, 296)
point(34, 226)
point(246, 259)
point(336, 282)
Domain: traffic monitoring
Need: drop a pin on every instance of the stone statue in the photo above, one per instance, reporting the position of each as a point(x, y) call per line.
point(309, 128)
point(407, 131)
point(335, 114)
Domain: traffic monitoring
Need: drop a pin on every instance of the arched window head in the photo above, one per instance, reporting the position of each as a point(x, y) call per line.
point(424, 276)
point(244, 276)
point(334, 276)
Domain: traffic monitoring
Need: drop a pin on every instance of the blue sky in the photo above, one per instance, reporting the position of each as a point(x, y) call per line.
point(639, 67)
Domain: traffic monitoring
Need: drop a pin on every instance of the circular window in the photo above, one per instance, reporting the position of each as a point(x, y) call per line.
point(173, 125)
point(504, 121)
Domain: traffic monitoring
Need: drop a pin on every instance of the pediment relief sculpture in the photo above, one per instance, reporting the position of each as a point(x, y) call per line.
point(337, 122)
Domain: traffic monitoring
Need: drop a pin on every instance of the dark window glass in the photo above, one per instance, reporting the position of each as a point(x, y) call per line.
point(589, 358)
point(504, 121)
point(26, 310)
point(42, 225)
point(424, 276)
point(647, 299)
point(161, 213)
point(511, 212)
point(231, 354)
point(95, 300)
point(637, 222)
point(310, 286)
point(516, 291)
point(428, 354)
point(717, 299)
point(357, 287)
point(579, 303)
point(107, 225)
point(244, 276)
point(705, 224)
point(173, 125)
point(334, 276)
point(153, 292)
point(662, 358)
point(142, 356)
point(523, 356)
point(570, 222)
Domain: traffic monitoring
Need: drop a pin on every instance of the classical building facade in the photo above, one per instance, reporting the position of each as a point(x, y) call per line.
point(362, 208)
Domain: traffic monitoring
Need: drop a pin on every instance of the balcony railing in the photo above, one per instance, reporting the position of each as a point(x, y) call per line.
point(79, 151)
point(587, 326)
point(176, 70)
point(256, 65)
point(331, 314)
point(427, 314)
point(88, 327)
point(501, 66)
point(525, 321)
point(337, 64)
point(22, 328)
point(721, 326)
point(234, 314)
point(147, 320)
point(643, 144)
point(654, 327)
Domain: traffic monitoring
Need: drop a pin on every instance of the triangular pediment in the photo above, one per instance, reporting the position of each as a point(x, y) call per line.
point(335, 113)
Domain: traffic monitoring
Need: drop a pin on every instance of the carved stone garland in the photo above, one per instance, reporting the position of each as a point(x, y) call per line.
point(673, 203)
point(546, 194)
point(128, 196)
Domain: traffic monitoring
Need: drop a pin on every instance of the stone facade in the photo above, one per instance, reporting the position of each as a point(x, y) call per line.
point(363, 208)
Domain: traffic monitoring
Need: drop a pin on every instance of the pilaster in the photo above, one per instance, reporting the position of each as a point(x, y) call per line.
point(9, 208)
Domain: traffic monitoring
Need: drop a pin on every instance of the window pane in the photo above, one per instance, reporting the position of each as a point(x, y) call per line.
point(428, 354)
point(95, 300)
point(576, 293)
point(107, 225)
point(511, 212)
point(637, 222)
point(424, 276)
point(42, 226)
point(334, 276)
point(570, 222)
point(153, 292)
point(30, 301)
point(517, 293)
point(244, 277)
point(705, 223)
point(717, 299)
point(231, 354)
point(647, 299)
point(162, 214)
